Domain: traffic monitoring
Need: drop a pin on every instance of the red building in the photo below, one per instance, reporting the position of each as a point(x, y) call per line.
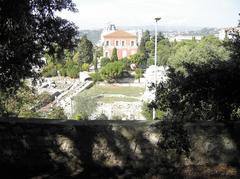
point(124, 42)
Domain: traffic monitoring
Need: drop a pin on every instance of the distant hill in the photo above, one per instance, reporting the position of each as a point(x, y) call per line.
point(93, 35)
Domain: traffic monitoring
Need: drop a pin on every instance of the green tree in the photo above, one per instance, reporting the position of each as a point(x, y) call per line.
point(145, 38)
point(142, 47)
point(85, 49)
point(137, 58)
point(209, 91)
point(105, 61)
point(164, 52)
point(208, 49)
point(114, 56)
point(28, 28)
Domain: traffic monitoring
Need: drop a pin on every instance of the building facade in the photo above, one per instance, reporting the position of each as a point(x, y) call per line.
point(126, 42)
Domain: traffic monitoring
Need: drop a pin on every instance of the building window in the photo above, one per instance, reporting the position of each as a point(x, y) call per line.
point(107, 43)
point(132, 43)
point(106, 54)
point(123, 43)
point(117, 43)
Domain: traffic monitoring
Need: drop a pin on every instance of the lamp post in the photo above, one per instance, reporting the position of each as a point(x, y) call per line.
point(155, 64)
point(239, 20)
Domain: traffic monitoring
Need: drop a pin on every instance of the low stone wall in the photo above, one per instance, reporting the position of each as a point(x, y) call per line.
point(111, 149)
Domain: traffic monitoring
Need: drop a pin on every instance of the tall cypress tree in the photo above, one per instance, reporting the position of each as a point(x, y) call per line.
point(85, 50)
point(114, 55)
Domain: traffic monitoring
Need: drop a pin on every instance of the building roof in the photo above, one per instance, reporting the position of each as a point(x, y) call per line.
point(120, 34)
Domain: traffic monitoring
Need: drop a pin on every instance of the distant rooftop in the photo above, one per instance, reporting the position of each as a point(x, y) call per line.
point(120, 34)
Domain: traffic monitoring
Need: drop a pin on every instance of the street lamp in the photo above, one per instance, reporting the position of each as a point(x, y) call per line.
point(155, 64)
point(239, 20)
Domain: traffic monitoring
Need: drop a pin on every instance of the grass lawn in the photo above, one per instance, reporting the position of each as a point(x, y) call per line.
point(116, 99)
point(130, 93)
point(111, 89)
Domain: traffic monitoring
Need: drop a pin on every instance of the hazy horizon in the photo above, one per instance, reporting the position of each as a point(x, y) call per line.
point(93, 14)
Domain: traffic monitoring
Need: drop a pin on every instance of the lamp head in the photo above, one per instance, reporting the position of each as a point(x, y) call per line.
point(157, 19)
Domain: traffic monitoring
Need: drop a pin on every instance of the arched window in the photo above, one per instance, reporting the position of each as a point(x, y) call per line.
point(117, 43)
point(132, 43)
point(123, 43)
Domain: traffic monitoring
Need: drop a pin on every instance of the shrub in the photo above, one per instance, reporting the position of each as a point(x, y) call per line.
point(29, 114)
point(96, 77)
point(72, 69)
point(50, 70)
point(73, 72)
point(77, 117)
point(126, 63)
point(112, 71)
point(85, 67)
point(44, 99)
point(63, 71)
point(84, 106)
point(56, 113)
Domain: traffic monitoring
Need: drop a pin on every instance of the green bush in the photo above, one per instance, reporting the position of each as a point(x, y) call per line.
point(49, 70)
point(29, 114)
point(56, 113)
point(44, 99)
point(77, 117)
point(96, 77)
point(112, 71)
point(73, 72)
point(84, 106)
point(126, 63)
point(63, 71)
point(85, 67)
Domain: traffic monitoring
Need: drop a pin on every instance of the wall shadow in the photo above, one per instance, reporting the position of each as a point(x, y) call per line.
point(114, 149)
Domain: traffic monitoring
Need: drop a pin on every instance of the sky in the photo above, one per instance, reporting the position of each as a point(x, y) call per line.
point(95, 14)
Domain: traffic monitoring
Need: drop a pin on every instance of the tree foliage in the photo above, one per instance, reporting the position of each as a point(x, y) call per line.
point(114, 56)
point(85, 49)
point(25, 103)
point(137, 58)
point(27, 28)
point(204, 51)
point(112, 71)
point(105, 61)
point(207, 91)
